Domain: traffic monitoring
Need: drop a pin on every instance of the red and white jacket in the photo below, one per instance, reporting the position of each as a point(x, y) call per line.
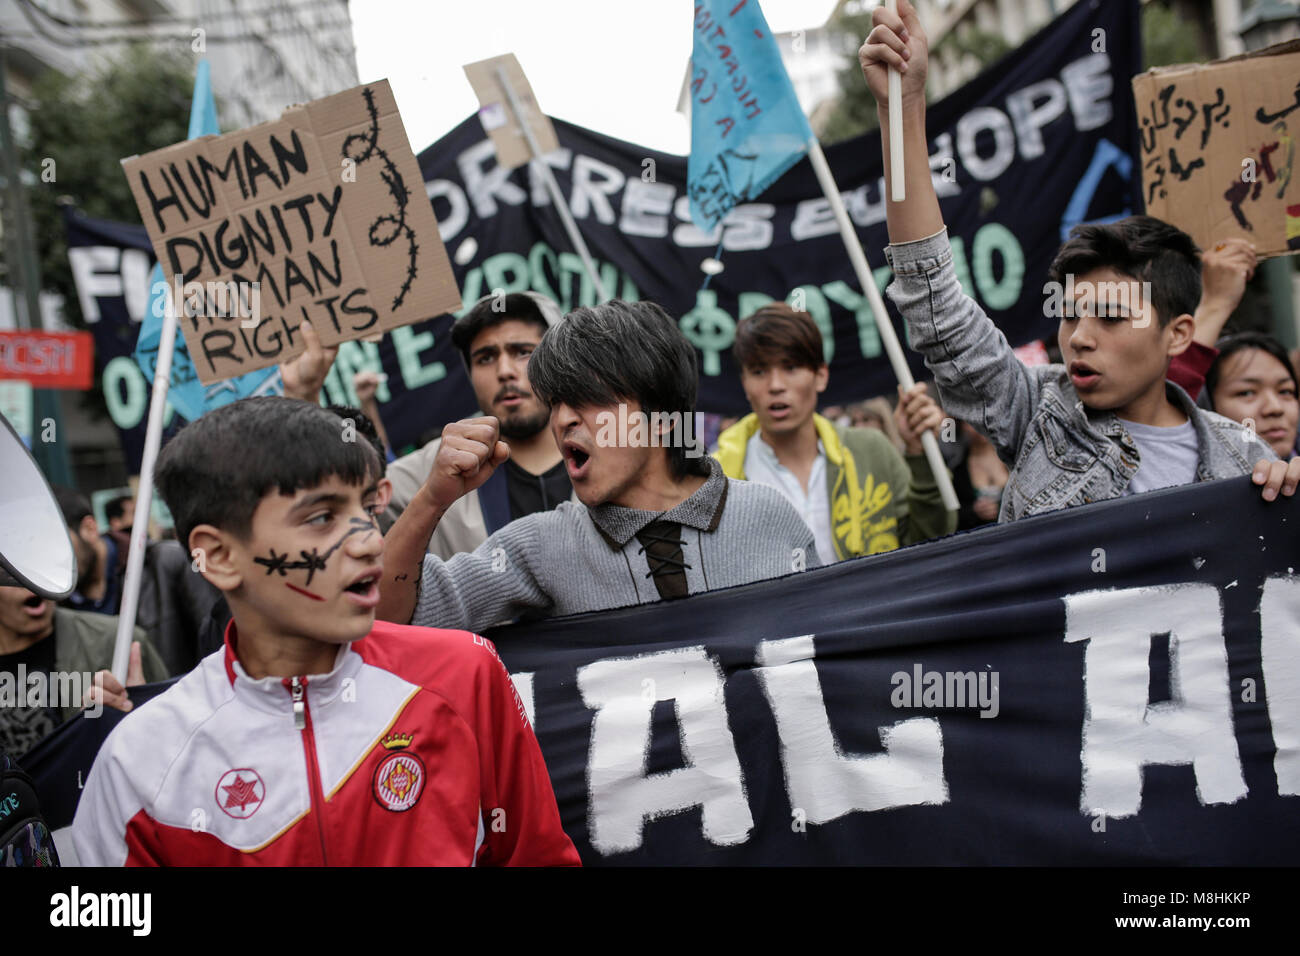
point(414, 750)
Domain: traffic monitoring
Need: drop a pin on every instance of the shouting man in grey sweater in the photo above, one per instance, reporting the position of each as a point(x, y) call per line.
point(658, 518)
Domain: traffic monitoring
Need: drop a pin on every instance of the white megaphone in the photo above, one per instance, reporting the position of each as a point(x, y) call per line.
point(35, 551)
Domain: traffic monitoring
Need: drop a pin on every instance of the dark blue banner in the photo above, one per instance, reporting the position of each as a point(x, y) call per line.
point(1034, 145)
point(1111, 685)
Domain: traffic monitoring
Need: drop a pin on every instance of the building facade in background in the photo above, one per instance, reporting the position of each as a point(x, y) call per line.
point(264, 55)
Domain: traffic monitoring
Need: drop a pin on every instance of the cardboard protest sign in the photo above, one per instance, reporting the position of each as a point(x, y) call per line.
point(319, 215)
point(1219, 148)
point(499, 122)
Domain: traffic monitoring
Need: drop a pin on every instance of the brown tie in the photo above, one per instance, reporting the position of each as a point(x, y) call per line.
point(662, 545)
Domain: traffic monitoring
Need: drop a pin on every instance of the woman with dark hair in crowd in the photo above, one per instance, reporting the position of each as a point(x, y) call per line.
point(1252, 379)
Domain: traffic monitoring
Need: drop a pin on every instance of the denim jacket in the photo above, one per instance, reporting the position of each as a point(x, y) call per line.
point(1060, 453)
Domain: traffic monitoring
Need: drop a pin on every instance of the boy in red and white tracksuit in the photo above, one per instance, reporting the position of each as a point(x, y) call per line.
point(317, 736)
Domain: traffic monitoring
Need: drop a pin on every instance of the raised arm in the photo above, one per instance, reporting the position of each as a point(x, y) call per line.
point(493, 584)
point(470, 451)
point(1225, 270)
point(979, 377)
point(899, 41)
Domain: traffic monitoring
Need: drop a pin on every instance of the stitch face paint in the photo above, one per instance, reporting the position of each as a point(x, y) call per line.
point(313, 561)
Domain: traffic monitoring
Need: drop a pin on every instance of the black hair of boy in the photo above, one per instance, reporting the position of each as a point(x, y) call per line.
point(517, 307)
point(778, 333)
point(362, 423)
point(617, 351)
point(217, 470)
point(1142, 248)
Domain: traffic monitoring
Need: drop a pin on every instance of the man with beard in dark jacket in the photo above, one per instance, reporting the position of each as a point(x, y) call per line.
point(495, 339)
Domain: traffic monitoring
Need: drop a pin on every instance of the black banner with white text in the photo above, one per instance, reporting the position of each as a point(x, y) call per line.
point(1111, 685)
point(1115, 685)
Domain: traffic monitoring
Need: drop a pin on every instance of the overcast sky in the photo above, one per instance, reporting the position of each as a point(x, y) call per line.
point(614, 66)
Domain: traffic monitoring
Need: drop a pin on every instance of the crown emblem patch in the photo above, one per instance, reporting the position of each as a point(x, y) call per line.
point(399, 778)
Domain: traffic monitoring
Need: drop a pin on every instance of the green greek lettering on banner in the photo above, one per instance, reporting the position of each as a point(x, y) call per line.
point(882, 275)
point(127, 410)
point(995, 237)
point(539, 257)
point(409, 344)
point(842, 294)
point(353, 357)
point(495, 271)
point(809, 298)
point(710, 329)
point(609, 279)
point(571, 267)
point(472, 292)
point(961, 266)
point(747, 303)
point(335, 392)
point(630, 291)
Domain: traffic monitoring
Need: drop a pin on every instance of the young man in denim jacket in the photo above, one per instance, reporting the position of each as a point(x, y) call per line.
point(1106, 423)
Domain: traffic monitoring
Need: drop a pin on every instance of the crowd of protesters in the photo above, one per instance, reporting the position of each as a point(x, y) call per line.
point(529, 509)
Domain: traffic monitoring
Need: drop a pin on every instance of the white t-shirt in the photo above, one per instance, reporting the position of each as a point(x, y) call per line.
point(1168, 456)
point(813, 506)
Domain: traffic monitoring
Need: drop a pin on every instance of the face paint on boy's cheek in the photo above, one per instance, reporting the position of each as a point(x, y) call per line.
point(312, 561)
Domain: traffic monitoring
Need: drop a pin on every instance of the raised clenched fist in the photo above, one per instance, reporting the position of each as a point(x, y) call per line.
point(468, 454)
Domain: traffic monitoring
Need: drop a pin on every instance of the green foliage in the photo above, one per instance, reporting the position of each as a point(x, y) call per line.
point(1168, 38)
point(855, 112)
point(986, 47)
point(87, 124)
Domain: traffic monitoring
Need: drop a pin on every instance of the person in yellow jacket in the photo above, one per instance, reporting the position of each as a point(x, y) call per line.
point(850, 485)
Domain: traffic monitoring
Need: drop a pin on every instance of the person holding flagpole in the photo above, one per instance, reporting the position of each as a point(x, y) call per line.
point(745, 137)
point(850, 485)
point(1105, 423)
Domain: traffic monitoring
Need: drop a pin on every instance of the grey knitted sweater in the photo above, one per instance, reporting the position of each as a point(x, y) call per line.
point(576, 559)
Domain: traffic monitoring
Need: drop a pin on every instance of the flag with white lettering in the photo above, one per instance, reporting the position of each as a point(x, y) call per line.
point(1117, 684)
point(747, 127)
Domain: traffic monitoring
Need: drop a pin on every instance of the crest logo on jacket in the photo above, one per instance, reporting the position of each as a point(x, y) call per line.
point(240, 792)
point(399, 778)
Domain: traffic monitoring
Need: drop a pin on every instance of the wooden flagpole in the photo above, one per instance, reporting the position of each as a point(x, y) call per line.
point(887, 335)
point(548, 177)
point(144, 494)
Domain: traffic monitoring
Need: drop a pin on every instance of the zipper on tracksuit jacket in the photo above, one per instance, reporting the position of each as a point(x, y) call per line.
point(302, 721)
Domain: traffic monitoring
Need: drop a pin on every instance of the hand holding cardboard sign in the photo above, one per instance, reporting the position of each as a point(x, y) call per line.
point(1226, 267)
point(310, 216)
point(304, 376)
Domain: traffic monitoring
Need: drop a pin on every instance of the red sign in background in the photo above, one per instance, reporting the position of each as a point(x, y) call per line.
point(48, 359)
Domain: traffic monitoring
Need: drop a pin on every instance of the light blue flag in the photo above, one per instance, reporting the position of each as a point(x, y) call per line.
point(190, 397)
point(747, 127)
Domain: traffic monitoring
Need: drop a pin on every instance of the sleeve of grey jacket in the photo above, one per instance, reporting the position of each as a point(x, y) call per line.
point(493, 584)
point(979, 377)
